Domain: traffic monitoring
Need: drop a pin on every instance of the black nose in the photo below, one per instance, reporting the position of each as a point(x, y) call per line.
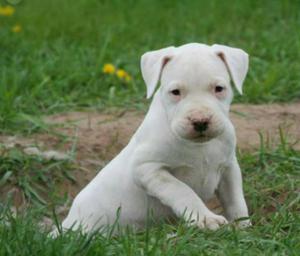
point(201, 126)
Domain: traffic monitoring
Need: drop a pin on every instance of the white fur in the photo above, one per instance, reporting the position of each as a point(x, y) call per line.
point(167, 167)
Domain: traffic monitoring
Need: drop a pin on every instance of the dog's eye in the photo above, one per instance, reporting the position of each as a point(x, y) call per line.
point(176, 92)
point(219, 88)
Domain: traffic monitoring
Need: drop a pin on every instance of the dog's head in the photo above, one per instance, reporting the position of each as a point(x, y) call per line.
point(195, 86)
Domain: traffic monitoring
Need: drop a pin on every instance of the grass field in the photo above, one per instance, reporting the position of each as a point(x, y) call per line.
point(51, 59)
point(272, 191)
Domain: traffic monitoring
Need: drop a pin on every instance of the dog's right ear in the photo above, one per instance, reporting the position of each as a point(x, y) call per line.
point(152, 64)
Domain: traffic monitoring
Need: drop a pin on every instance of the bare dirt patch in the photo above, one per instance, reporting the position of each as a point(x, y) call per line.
point(100, 137)
point(267, 120)
point(96, 138)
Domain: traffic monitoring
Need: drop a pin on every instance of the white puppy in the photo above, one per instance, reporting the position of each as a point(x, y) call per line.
point(183, 152)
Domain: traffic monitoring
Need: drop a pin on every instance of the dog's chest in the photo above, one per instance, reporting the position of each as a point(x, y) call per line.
point(201, 172)
point(203, 182)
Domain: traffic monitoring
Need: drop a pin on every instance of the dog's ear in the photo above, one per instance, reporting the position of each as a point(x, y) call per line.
point(236, 61)
point(152, 64)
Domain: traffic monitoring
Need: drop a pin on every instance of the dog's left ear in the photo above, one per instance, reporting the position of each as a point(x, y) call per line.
point(152, 64)
point(236, 61)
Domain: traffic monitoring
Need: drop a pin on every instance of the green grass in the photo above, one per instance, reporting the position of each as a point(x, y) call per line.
point(32, 176)
point(271, 181)
point(55, 62)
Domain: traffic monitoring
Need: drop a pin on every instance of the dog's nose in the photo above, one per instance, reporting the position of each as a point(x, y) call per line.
point(201, 126)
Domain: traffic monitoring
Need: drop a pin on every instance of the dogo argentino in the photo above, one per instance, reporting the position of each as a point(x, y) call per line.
point(184, 151)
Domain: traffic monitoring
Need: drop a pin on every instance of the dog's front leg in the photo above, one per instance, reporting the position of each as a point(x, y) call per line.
point(230, 193)
point(160, 183)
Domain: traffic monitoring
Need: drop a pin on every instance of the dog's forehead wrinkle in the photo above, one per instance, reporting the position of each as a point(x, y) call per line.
point(195, 68)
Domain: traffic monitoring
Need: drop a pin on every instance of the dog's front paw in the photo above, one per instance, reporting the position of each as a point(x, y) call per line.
point(243, 223)
point(210, 221)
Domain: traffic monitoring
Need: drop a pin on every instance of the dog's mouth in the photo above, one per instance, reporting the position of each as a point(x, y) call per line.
point(205, 136)
point(197, 137)
point(188, 133)
point(201, 137)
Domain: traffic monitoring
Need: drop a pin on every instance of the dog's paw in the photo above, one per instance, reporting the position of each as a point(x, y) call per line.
point(54, 233)
point(210, 221)
point(243, 223)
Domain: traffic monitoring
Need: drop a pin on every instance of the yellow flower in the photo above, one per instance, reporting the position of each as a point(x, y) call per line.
point(109, 69)
point(128, 78)
point(16, 29)
point(7, 10)
point(121, 73)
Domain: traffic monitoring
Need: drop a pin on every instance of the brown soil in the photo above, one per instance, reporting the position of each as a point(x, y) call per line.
point(98, 137)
